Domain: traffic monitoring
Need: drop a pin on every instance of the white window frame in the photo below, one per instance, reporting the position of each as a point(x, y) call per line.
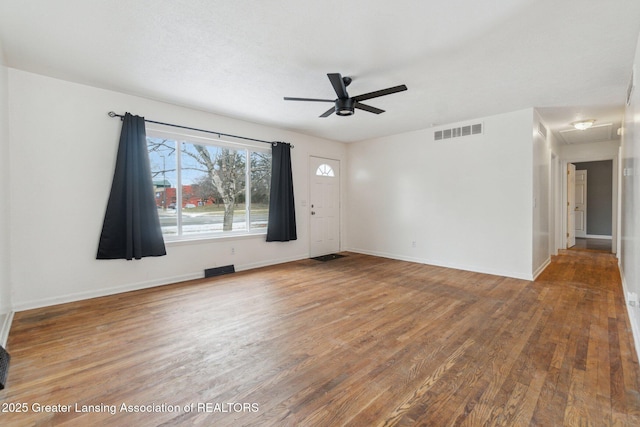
point(205, 139)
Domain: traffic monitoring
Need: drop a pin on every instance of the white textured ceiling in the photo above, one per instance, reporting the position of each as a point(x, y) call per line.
point(461, 59)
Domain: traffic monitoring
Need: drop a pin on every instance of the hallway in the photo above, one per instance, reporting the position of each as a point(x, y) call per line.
point(598, 362)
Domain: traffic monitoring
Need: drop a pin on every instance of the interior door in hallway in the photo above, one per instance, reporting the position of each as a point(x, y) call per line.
point(324, 206)
point(571, 205)
point(581, 203)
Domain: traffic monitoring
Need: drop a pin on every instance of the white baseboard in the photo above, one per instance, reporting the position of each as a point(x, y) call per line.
point(79, 296)
point(251, 266)
point(540, 269)
point(632, 313)
point(598, 236)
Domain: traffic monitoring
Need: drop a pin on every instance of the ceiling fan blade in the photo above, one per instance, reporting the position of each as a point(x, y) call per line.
point(368, 108)
point(288, 98)
point(338, 85)
point(328, 112)
point(378, 93)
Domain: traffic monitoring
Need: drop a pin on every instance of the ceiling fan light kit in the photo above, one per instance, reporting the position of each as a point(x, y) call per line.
point(344, 105)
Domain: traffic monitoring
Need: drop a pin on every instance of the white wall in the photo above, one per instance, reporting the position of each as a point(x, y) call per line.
point(541, 197)
point(590, 152)
point(5, 286)
point(63, 148)
point(630, 202)
point(465, 202)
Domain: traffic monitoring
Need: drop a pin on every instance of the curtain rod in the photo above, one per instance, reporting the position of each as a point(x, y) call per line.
point(112, 114)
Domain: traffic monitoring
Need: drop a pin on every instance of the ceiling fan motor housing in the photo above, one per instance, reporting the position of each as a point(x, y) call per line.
point(345, 107)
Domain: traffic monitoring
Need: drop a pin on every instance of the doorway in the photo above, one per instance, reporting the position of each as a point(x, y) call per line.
point(593, 204)
point(571, 205)
point(324, 206)
point(580, 193)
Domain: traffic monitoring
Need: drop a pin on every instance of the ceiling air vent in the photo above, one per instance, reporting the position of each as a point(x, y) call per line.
point(458, 132)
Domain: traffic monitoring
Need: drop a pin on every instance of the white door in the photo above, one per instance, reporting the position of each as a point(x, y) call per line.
point(571, 205)
point(581, 203)
point(324, 206)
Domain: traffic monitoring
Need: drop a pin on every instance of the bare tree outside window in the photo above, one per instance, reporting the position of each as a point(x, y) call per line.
point(223, 188)
point(224, 169)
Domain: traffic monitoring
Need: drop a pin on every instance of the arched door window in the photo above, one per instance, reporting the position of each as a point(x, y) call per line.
point(325, 170)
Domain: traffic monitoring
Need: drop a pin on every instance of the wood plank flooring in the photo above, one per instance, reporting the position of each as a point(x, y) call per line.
point(593, 244)
point(359, 341)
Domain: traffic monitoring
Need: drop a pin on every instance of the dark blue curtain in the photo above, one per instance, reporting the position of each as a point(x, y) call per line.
point(282, 213)
point(131, 226)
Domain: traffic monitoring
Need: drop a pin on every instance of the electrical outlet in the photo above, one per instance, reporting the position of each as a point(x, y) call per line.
point(233, 250)
point(413, 244)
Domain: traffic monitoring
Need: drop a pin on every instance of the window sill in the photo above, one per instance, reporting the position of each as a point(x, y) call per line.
point(184, 240)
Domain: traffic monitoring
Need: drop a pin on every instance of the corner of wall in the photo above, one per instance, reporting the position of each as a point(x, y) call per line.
point(542, 221)
point(5, 287)
point(6, 305)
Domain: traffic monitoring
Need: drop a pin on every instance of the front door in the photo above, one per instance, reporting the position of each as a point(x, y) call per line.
point(324, 206)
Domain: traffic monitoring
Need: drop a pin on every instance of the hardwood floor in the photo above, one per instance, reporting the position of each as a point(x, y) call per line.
point(593, 244)
point(359, 341)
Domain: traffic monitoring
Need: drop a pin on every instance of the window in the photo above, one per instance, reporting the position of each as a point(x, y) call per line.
point(208, 188)
point(325, 170)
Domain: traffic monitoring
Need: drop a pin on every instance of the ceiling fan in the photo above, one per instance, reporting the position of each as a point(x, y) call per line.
point(345, 105)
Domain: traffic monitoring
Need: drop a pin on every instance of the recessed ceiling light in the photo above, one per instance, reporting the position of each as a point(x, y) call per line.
point(583, 124)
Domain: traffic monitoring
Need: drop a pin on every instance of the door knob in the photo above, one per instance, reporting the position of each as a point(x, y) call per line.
point(313, 213)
